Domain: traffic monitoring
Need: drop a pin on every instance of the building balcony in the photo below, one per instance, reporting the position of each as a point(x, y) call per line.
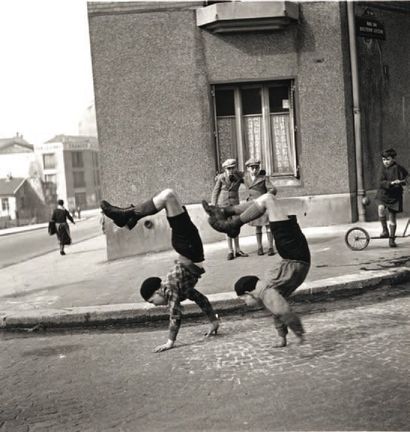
point(238, 16)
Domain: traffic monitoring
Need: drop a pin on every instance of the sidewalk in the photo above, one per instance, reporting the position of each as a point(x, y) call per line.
point(83, 288)
point(85, 214)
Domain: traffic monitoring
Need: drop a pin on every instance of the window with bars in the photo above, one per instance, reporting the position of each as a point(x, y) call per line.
point(257, 120)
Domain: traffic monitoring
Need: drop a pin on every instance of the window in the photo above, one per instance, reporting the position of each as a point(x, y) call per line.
point(49, 160)
point(77, 159)
point(80, 199)
point(257, 120)
point(5, 204)
point(50, 178)
point(79, 179)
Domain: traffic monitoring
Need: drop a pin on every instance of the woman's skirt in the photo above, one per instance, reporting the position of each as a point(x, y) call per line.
point(63, 233)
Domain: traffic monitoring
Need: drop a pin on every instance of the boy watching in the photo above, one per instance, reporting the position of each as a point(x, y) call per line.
point(179, 283)
point(390, 194)
point(292, 247)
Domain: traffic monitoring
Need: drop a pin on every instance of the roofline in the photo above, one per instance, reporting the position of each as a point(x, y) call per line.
point(19, 186)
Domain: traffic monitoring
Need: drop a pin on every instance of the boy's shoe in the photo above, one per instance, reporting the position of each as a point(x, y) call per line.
point(62, 253)
point(392, 242)
point(230, 256)
point(241, 254)
point(229, 227)
point(384, 234)
point(213, 211)
point(120, 216)
point(271, 252)
point(260, 251)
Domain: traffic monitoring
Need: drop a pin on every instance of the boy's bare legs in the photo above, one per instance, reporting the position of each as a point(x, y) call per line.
point(168, 200)
point(231, 254)
point(392, 227)
point(381, 210)
point(271, 250)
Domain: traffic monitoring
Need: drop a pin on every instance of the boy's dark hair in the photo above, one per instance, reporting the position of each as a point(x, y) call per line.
point(149, 286)
point(389, 153)
point(60, 202)
point(245, 284)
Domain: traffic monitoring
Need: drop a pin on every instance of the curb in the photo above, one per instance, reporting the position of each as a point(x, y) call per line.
point(143, 313)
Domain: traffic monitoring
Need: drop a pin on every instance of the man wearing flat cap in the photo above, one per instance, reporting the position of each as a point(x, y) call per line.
point(226, 193)
point(257, 184)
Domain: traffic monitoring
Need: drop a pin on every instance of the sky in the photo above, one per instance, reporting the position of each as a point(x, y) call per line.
point(45, 73)
point(45, 68)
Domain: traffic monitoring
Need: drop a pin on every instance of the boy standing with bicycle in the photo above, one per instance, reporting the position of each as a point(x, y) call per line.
point(390, 194)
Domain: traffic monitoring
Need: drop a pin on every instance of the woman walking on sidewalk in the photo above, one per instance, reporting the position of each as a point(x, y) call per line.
point(59, 217)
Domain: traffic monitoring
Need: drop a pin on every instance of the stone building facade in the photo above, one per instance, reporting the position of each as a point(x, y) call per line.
point(179, 86)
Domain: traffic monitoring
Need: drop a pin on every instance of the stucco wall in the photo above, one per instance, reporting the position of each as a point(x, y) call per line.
point(152, 75)
point(312, 52)
point(153, 112)
point(385, 91)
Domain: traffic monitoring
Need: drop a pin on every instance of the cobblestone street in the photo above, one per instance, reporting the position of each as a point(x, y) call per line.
point(352, 374)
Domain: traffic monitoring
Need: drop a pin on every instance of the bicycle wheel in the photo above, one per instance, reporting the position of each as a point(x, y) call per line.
point(357, 238)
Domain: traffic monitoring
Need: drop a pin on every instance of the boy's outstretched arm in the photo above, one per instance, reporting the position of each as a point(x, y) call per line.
point(206, 307)
point(175, 314)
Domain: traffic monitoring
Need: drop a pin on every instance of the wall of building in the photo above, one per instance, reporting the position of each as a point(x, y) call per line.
point(385, 94)
point(152, 76)
point(30, 205)
point(155, 130)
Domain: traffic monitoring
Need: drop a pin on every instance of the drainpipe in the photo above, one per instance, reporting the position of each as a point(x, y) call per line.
point(361, 193)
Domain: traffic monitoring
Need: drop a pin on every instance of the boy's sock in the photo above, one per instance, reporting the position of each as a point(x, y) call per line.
point(295, 324)
point(385, 231)
point(141, 210)
point(251, 213)
point(128, 216)
point(392, 242)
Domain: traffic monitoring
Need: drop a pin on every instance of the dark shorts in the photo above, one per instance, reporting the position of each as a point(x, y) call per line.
point(290, 276)
point(185, 237)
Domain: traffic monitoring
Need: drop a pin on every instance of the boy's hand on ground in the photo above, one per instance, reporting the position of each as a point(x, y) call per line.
point(166, 346)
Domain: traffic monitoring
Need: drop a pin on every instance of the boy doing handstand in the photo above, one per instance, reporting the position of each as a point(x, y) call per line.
point(292, 247)
point(179, 283)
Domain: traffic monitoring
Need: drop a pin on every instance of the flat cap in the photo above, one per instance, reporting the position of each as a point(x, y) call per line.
point(229, 163)
point(252, 161)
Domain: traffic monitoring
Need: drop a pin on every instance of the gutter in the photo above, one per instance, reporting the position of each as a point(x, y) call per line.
point(360, 193)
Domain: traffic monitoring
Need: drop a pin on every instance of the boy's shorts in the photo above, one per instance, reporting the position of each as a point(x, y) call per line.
point(185, 237)
point(289, 277)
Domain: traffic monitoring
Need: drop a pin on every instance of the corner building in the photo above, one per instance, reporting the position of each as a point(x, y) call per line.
point(181, 86)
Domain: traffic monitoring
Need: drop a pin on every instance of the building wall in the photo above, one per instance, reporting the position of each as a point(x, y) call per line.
point(385, 94)
point(11, 212)
point(90, 187)
point(155, 130)
point(152, 75)
point(30, 205)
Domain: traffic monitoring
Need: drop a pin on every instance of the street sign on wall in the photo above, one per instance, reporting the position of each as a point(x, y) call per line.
point(370, 28)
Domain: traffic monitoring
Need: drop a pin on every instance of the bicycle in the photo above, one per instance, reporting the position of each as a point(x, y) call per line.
point(357, 238)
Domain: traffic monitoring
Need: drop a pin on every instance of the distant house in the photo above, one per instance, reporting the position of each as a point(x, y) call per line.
point(22, 201)
point(17, 158)
point(71, 163)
